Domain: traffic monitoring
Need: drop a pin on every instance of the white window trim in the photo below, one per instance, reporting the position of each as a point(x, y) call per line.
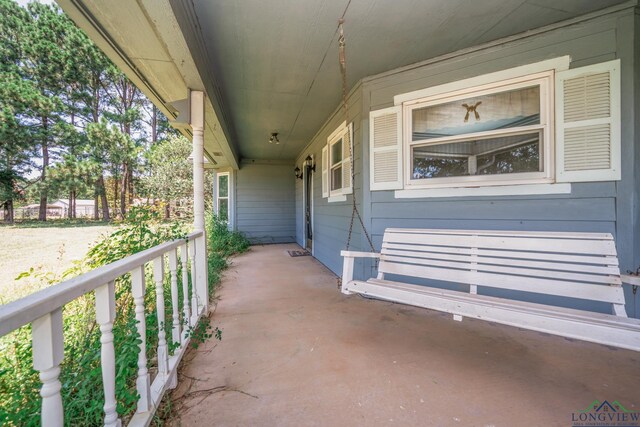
point(338, 198)
point(505, 190)
point(546, 82)
point(228, 198)
point(338, 195)
point(333, 140)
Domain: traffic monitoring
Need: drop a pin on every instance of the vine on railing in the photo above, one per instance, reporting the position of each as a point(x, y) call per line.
point(81, 371)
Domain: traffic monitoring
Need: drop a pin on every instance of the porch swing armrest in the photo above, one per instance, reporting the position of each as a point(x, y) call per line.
point(357, 254)
point(347, 267)
point(628, 279)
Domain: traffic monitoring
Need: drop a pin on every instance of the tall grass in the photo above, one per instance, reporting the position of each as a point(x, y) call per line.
point(81, 376)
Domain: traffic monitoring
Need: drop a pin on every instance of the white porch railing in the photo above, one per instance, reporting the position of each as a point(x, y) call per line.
point(44, 311)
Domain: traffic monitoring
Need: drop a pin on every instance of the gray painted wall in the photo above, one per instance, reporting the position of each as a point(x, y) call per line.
point(265, 195)
point(592, 207)
point(331, 220)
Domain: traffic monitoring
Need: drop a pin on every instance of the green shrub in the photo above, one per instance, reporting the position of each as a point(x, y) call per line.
point(221, 243)
point(81, 375)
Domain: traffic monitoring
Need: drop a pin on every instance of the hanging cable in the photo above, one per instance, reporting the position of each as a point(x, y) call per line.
point(343, 71)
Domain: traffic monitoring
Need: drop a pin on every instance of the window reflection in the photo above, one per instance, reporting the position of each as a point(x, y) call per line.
point(490, 156)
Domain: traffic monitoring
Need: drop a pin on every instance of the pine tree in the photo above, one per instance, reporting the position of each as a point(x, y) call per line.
point(45, 64)
point(126, 103)
point(17, 97)
point(89, 100)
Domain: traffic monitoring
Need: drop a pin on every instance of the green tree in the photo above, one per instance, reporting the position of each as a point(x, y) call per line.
point(126, 102)
point(46, 63)
point(111, 148)
point(88, 100)
point(72, 177)
point(17, 97)
point(169, 176)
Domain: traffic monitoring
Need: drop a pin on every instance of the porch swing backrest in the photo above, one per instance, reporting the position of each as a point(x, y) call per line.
point(571, 265)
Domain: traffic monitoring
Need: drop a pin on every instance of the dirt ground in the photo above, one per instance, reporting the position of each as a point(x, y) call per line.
point(50, 249)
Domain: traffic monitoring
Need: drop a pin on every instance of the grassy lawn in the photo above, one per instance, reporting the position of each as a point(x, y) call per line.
point(49, 247)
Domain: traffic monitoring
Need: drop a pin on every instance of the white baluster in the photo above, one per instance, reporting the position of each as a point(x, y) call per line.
point(105, 315)
point(194, 292)
point(173, 269)
point(48, 351)
point(163, 354)
point(143, 381)
point(186, 313)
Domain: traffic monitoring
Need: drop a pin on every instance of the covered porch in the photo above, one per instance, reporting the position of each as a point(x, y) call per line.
point(294, 351)
point(261, 96)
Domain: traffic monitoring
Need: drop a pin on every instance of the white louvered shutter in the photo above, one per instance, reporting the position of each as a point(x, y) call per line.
point(385, 149)
point(588, 123)
point(325, 171)
point(347, 141)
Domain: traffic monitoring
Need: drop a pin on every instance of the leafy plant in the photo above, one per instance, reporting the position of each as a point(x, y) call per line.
point(81, 374)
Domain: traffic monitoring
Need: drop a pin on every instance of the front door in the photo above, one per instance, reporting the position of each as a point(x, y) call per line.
point(308, 207)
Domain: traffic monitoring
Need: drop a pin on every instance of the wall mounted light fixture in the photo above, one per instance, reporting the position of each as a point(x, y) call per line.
point(298, 173)
point(309, 162)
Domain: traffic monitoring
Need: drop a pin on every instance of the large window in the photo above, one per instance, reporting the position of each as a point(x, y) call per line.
point(541, 124)
point(222, 194)
point(493, 134)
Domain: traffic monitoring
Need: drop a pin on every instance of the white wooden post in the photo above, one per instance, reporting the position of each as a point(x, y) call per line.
point(197, 126)
point(163, 353)
point(194, 294)
point(186, 313)
point(173, 269)
point(48, 351)
point(347, 274)
point(143, 384)
point(105, 315)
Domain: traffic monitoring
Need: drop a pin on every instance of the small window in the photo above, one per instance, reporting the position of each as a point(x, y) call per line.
point(336, 165)
point(222, 192)
point(484, 136)
point(336, 162)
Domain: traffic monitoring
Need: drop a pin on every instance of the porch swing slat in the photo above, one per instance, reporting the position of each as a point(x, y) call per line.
point(529, 244)
point(577, 259)
point(515, 283)
point(519, 262)
point(480, 265)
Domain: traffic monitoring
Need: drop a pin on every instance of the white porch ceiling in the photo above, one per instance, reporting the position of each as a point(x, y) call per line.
point(275, 62)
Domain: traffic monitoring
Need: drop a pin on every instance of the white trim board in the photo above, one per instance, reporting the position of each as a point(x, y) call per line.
point(505, 190)
point(338, 198)
point(558, 64)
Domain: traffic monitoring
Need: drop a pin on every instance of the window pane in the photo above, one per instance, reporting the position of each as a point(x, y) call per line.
point(336, 178)
point(223, 209)
point(513, 108)
point(223, 185)
point(490, 156)
point(336, 152)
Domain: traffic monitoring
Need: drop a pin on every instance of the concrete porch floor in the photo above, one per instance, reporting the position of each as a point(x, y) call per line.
point(296, 352)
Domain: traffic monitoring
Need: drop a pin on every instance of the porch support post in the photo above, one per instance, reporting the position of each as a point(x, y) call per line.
point(197, 127)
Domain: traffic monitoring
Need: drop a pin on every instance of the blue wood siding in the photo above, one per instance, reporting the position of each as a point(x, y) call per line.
point(331, 220)
point(265, 203)
point(591, 207)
